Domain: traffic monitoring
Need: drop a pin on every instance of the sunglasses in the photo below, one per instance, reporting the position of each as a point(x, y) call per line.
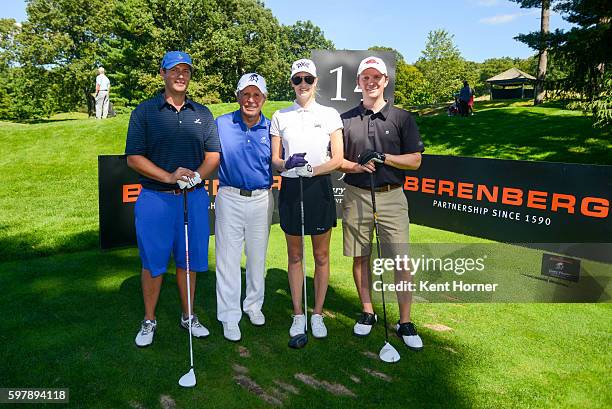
point(298, 80)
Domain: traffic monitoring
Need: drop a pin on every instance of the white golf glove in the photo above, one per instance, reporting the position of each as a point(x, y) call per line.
point(188, 183)
point(305, 171)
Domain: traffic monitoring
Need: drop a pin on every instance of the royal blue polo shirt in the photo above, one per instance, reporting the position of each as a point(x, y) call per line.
point(246, 157)
point(171, 138)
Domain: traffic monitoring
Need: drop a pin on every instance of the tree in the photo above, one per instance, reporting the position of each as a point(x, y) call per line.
point(583, 53)
point(64, 39)
point(442, 66)
point(542, 46)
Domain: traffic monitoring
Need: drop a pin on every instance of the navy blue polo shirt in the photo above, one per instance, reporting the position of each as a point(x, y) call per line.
point(171, 138)
point(246, 156)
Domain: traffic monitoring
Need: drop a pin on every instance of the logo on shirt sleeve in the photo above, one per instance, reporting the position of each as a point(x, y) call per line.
point(197, 121)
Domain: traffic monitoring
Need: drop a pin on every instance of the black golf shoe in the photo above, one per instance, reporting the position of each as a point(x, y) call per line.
point(364, 324)
point(408, 333)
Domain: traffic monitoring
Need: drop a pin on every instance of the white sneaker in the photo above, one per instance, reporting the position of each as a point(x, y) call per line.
point(298, 326)
point(231, 331)
point(257, 318)
point(318, 327)
point(144, 338)
point(197, 329)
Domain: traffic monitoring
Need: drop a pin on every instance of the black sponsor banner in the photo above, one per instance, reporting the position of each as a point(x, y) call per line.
point(561, 267)
point(512, 201)
point(502, 200)
point(118, 190)
point(337, 72)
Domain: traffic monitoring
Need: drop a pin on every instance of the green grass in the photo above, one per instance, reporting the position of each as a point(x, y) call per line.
point(518, 130)
point(70, 311)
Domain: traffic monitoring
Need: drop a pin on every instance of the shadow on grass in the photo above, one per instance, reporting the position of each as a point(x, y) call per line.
point(70, 321)
point(544, 133)
point(29, 245)
point(44, 120)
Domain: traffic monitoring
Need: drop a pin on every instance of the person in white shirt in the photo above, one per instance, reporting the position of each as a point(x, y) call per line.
point(102, 90)
point(307, 143)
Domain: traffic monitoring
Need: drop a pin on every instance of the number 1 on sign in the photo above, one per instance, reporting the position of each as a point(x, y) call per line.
point(338, 96)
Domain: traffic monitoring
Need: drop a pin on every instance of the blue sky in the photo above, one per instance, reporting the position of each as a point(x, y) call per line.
point(482, 28)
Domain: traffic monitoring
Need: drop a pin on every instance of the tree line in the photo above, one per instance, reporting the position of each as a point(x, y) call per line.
point(47, 63)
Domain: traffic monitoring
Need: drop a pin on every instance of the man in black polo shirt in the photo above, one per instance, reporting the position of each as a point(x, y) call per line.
point(383, 139)
point(172, 142)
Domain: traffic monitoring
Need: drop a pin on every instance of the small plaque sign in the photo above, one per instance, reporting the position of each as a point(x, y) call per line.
point(565, 268)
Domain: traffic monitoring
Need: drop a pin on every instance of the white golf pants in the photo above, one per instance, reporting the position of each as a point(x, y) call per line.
point(241, 220)
point(102, 102)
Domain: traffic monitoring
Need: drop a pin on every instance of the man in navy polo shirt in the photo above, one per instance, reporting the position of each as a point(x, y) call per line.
point(243, 207)
point(172, 143)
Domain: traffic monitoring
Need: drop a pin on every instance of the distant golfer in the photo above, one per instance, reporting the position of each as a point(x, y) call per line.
point(376, 132)
point(466, 94)
point(243, 207)
point(101, 95)
point(310, 136)
point(170, 138)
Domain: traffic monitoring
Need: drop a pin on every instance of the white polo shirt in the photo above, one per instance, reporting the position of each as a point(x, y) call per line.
point(306, 130)
point(103, 81)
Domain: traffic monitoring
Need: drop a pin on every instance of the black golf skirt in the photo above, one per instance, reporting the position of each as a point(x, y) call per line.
point(319, 205)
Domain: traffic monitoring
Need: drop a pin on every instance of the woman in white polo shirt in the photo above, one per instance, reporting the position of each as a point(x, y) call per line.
point(307, 142)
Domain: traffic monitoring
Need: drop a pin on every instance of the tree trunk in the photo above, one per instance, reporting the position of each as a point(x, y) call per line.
point(538, 97)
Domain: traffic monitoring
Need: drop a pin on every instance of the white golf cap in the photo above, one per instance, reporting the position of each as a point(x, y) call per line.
point(252, 78)
point(372, 62)
point(304, 65)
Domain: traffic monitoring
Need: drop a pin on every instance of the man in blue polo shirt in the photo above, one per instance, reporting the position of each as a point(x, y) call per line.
point(171, 139)
point(243, 207)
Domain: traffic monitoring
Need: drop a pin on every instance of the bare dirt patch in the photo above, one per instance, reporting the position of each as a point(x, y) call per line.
point(252, 386)
point(244, 352)
point(378, 375)
point(287, 387)
point(438, 327)
point(167, 402)
point(334, 388)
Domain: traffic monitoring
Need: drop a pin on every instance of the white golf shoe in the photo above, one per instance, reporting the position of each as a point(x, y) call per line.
point(318, 327)
point(256, 317)
point(298, 326)
point(408, 333)
point(197, 329)
point(231, 331)
point(144, 338)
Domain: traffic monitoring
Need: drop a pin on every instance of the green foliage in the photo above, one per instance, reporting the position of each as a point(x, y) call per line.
point(442, 66)
point(583, 53)
point(62, 43)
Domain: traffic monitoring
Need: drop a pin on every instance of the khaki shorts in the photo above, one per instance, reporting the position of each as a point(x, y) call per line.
point(358, 221)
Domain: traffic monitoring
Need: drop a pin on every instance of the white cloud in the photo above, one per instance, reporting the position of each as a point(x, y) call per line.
point(506, 18)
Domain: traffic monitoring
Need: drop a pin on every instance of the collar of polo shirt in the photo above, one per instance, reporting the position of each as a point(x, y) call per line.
point(384, 112)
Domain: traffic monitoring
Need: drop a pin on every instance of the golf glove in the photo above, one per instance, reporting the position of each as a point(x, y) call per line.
point(370, 155)
point(295, 161)
point(188, 183)
point(305, 171)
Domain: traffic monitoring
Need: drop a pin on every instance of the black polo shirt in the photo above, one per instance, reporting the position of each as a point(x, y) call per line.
point(391, 130)
point(171, 138)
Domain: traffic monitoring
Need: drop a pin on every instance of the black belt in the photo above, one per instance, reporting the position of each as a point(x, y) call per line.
point(383, 188)
point(247, 193)
point(180, 191)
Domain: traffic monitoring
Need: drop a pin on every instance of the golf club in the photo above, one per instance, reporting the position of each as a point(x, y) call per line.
point(299, 341)
point(189, 379)
point(387, 353)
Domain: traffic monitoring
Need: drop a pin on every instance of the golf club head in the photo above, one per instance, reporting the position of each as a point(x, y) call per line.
point(299, 341)
point(389, 354)
point(188, 380)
